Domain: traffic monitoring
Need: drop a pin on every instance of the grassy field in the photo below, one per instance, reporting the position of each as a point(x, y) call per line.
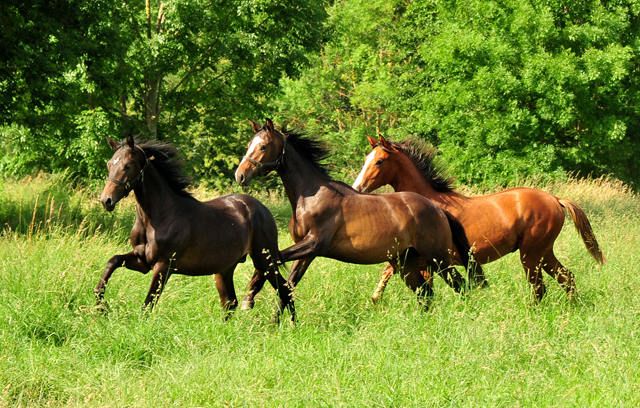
point(492, 347)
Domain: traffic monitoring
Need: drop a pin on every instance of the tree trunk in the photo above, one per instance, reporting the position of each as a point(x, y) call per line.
point(152, 99)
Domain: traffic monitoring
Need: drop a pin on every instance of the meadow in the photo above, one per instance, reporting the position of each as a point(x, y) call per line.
point(492, 347)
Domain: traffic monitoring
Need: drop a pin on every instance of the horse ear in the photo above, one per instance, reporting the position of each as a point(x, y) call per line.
point(268, 124)
point(130, 142)
point(254, 126)
point(384, 143)
point(372, 142)
point(113, 143)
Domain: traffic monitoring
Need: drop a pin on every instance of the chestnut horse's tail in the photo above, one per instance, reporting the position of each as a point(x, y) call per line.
point(461, 242)
point(583, 226)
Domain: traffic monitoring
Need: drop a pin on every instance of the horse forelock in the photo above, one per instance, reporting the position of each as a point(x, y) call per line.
point(423, 155)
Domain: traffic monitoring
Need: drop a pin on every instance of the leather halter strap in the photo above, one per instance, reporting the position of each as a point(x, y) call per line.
point(130, 185)
point(276, 164)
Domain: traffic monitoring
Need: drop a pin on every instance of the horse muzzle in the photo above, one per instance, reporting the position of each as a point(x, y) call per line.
point(109, 200)
point(243, 175)
point(359, 187)
point(108, 203)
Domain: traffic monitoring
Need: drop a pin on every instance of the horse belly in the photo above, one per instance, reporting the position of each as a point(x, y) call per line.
point(367, 245)
point(207, 261)
point(212, 247)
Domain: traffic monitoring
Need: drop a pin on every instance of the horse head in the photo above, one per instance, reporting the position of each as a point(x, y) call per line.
point(378, 169)
point(126, 171)
point(264, 153)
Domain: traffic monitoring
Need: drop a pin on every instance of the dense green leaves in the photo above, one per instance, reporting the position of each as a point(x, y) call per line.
point(504, 88)
point(182, 70)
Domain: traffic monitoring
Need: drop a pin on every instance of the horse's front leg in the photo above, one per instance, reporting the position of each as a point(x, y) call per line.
point(129, 261)
point(309, 247)
point(159, 279)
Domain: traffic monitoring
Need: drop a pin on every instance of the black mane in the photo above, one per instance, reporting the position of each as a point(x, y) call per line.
point(165, 161)
point(423, 155)
point(309, 148)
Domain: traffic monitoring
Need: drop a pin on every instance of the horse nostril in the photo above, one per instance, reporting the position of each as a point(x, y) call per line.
point(107, 203)
point(241, 177)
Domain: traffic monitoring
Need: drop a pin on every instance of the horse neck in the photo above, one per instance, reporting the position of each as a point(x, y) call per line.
point(299, 176)
point(153, 195)
point(409, 178)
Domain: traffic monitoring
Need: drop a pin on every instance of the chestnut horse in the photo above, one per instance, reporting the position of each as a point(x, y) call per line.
point(519, 218)
point(175, 233)
point(333, 220)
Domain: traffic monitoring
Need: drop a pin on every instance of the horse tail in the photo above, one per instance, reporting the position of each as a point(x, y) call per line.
point(583, 227)
point(461, 242)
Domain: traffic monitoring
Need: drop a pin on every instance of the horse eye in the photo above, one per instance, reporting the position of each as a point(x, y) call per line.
point(263, 147)
point(127, 166)
point(379, 162)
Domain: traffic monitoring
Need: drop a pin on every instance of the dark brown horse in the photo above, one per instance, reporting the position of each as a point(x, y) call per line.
point(497, 224)
point(333, 220)
point(175, 233)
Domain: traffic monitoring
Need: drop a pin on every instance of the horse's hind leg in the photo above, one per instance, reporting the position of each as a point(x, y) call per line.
point(413, 278)
point(255, 286)
point(226, 290)
point(387, 273)
point(564, 276)
point(267, 263)
point(532, 264)
point(452, 277)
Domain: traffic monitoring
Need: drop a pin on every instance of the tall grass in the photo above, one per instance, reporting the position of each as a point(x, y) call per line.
point(492, 347)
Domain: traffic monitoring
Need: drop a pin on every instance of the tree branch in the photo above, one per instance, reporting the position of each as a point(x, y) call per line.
point(202, 57)
point(161, 16)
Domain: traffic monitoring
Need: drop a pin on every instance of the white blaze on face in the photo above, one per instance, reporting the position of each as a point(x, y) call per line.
point(367, 162)
point(116, 161)
point(252, 147)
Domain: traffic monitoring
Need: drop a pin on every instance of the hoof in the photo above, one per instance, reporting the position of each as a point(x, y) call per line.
point(102, 308)
point(375, 298)
point(247, 304)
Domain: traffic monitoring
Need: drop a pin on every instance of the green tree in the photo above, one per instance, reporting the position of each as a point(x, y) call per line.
point(504, 88)
point(185, 70)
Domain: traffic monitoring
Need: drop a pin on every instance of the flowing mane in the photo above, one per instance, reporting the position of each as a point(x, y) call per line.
point(423, 155)
point(309, 148)
point(166, 162)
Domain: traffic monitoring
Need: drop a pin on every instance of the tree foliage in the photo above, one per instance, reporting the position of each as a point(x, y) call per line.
point(183, 70)
point(504, 88)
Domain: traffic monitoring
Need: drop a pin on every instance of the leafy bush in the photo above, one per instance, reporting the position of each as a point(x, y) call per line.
point(505, 89)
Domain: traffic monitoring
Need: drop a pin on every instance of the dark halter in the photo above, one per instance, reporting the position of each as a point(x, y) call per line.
point(276, 164)
point(134, 182)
